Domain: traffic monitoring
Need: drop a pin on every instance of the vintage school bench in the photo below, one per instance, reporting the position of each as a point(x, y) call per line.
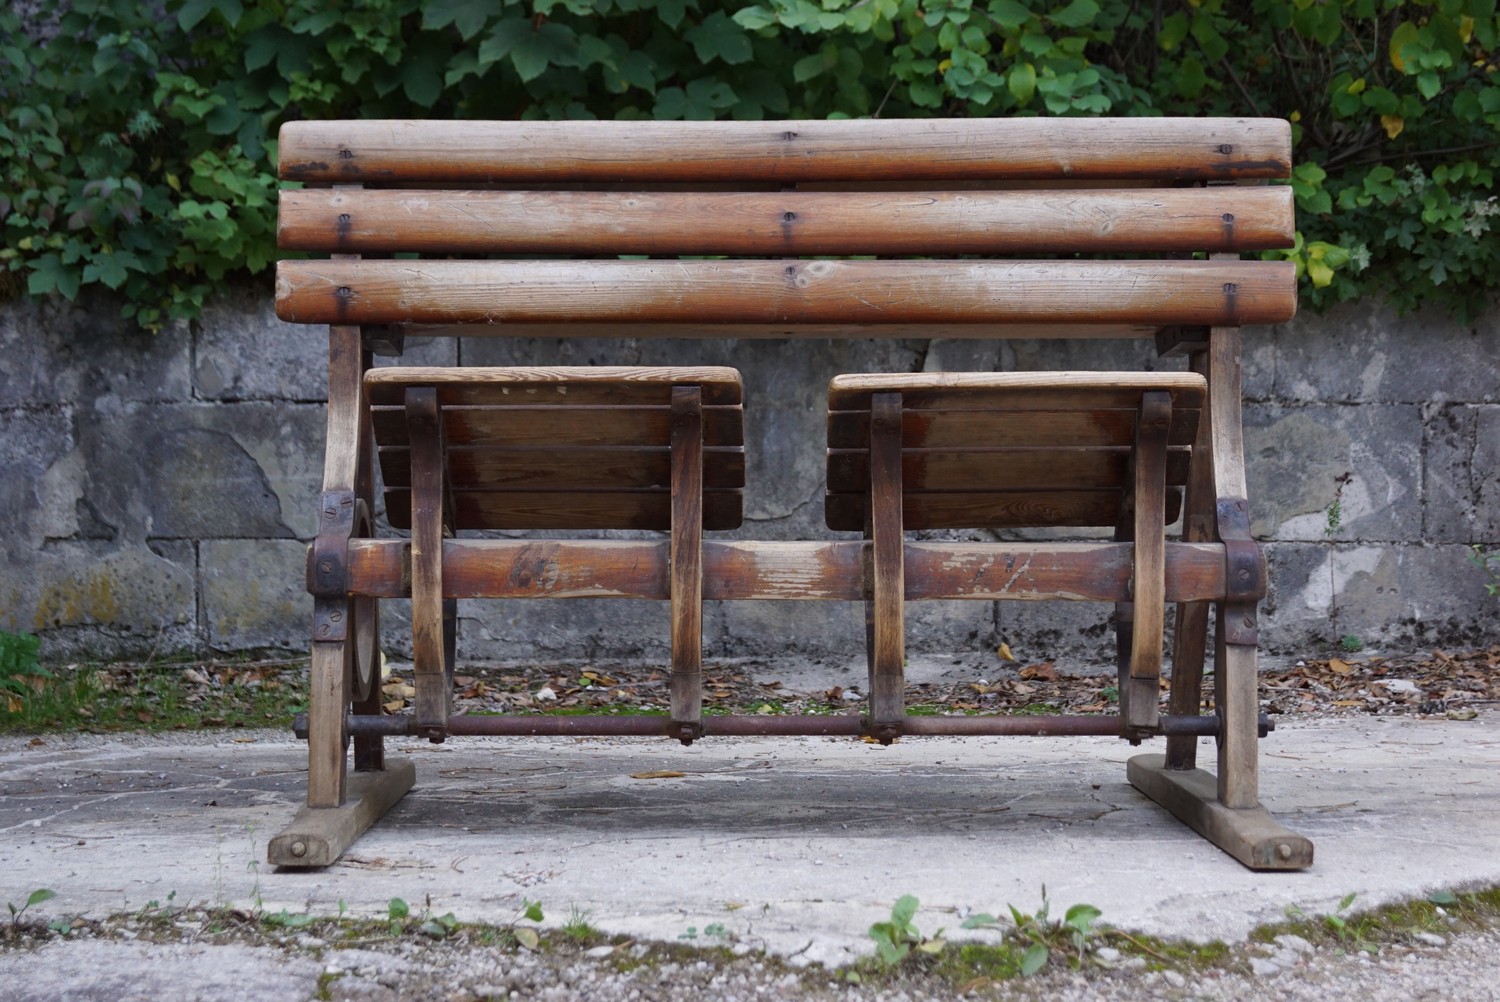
point(915, 229)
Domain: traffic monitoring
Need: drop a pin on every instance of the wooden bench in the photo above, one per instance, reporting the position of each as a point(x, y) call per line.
point(930, 228)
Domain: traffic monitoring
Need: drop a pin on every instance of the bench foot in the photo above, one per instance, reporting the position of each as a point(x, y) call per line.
point(318, 836)
point(1249, 834)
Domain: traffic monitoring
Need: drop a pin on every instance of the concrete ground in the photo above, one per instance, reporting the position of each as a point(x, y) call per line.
point(793, 844)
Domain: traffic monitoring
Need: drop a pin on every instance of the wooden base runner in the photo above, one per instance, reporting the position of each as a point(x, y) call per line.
point(1250, 834)
point(317, 836)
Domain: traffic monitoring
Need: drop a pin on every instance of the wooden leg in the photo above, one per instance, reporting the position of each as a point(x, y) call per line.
point(318, 836)
point(888, 678)
point(686, 560)
point(1148, 621)
point(428, 641)
point(327, 762)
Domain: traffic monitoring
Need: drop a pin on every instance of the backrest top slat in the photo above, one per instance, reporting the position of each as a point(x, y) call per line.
point(376, 152)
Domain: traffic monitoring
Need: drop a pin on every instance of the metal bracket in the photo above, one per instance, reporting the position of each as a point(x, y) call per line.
point(1244, 573)
point(327, 558)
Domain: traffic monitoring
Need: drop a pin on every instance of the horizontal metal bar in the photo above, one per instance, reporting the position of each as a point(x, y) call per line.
point(601, 725)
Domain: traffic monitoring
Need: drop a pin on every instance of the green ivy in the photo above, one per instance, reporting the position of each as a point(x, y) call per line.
point(137, 140)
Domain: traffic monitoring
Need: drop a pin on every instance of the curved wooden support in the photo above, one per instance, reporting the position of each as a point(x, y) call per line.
point(428, 497)
point(1140, 705)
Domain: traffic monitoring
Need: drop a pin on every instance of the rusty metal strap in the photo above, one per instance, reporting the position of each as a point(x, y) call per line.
point(328, 557)
point(1244, 574)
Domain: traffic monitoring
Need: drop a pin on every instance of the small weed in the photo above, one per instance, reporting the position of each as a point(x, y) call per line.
point(577, 927)
point(1335, 510)
point(1038, 933)
point(1350, 644)
point(1489, 563)
point(896, 938)
point(36, 897)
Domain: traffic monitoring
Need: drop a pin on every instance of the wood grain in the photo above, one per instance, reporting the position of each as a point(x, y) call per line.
point(992, 509)
point(603, 509)
point(428, 502)
point(786, 223)
point(686, 556)
point(786, 292)
point(566, 426)
point(621, 385)
point(1004, 429)
point(887, 689)
point(375, 151)
point(1012, 469)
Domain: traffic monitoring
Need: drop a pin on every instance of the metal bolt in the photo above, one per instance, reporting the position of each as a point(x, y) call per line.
point(1284, 851)
point(299, 849)
point(1249, 622)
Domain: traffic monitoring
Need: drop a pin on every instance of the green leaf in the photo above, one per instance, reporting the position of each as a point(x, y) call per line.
point(1173, 31)
point(467, 16)
point(1021, 82)
point(397, 909)
point(1077, 14)
point(718, 37)
point(1190, 79)
point(39, 895)
point(533, 911)
point(527, 937)
point(904, 910)
point(1034, 959)
point(1428, 84)
point(809, 67)
point(49, 274)
point(1010, 14)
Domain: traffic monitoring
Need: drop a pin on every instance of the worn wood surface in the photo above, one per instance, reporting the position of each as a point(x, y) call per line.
point(576, 385)
point(1010, 429)
point(786, 223)
point(792, 292)
point(562, 426)
point(376, 151)
point(1041, 392)
point(1249, 834)
point(318, 835)
point(1148, 578)
point(565, 467)
point(645, 508)
point(954, 468)
point(790, 570)
point(686, 556)
point(428, 502)
point(834, 330)
point(992, 509)
point(887, 684)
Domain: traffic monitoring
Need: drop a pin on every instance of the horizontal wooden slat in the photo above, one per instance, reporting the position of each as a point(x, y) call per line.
point(561, 426)
point(1040, 392)
point(640, 509)
point(634, 385)
point(1003, 429)
point(1229, 293)
point(990, 509)
point(786, 223)
point(999, 469)
point(563, 468)
point(804, 570)
point(385, 151)
point(832, 331)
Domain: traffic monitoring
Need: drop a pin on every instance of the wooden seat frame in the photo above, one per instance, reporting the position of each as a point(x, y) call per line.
point(778, 193)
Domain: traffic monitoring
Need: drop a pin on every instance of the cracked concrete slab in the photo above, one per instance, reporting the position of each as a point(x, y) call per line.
point(794, 844)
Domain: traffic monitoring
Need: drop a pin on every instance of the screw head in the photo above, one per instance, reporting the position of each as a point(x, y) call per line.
point(299, 849)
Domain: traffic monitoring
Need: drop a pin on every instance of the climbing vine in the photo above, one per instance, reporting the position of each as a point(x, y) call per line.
point(138, 140)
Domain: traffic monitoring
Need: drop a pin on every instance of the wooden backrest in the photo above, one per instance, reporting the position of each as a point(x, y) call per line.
point(729, 229)
point(561, 448)
point(1006, 449)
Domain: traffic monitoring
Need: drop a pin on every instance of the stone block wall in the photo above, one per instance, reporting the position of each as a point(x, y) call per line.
point(159, 490)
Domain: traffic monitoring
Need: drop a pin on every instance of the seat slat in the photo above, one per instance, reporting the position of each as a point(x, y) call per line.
point(786, 223)
point(991, 509)
point(563, 468)
point(563, 385)
point(392, 151)
point(643, 509)
point(1000, 469)
point(563, 427)
point(501, 292)
point(1006, 429)
point(1039, 392)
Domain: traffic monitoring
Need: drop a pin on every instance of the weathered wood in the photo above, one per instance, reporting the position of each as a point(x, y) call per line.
point(1168, 220)
point(887, 684)
point(991, 509)
point(644, 508)
point(566, 467)
point(566, 385)
point(428, 501)
point(1011, 469)
point(921, 429)
point(823, 291)
point(375, 151)
point(794, 570)
point(1041, 392)
point(328, 699)
point(1249, 834)
point(1148, 580)
point(318, 836)
point(686, 559)
point(556, 426)
point(835, 330)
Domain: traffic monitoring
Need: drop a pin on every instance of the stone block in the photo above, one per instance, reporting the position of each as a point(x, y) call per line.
point(1412, 595)
point(1484, 476)
point(255, 594)
point(39, 476)
point(245, 353)
point(1449, 448)
point(1296, 616)
point(1300, 460)
point(1360, 352)
point(90, 599)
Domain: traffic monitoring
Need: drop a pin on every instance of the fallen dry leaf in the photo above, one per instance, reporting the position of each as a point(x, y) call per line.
point(658, 774)
point(1004, 652)
point(1044, 671)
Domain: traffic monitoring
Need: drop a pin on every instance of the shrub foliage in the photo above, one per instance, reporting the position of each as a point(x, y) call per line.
point(137, 140)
